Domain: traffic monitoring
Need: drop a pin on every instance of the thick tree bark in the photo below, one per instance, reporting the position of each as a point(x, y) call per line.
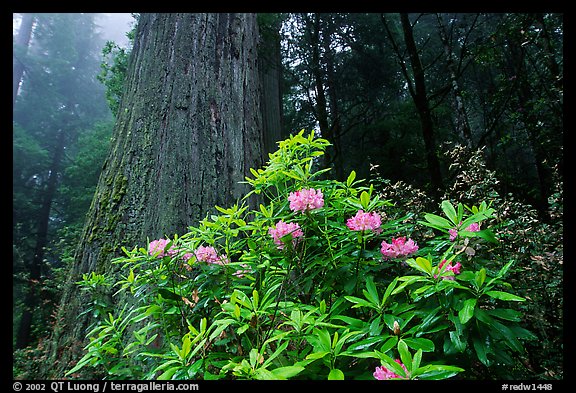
point(20, 48)
point(188, 129)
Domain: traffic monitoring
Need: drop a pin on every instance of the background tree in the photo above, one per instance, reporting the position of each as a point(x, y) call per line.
point(188, 130)
point(20, 49)
point(61, 57)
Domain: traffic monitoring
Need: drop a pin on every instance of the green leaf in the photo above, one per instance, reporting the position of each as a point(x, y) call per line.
point(360, 302)
point(506, 313)
point(371, 293)
point(317, 355)
point(480, 277)
point(364, 200)
point(255, 299)
point(416, 360)
point(322, 307)
point(186, 346)
point(487, 235)
point(336, 375)
point(263, 374)
point(437, 221)
point(420, 264)
point(405, 354)
point(467, 310)
point(287, 371)
point(389, 289)
point(166, 375)
point(364, 344)
point(450, 212)
point(276, 353)
point(89, 357)
point(351, 178)
point(457, 342)
point(460, 213)
point(505, 296)
point(416, 343)
point(436, 372)
point(481, 351)
point(390, 364)
point(253, 357)
point(389, 344)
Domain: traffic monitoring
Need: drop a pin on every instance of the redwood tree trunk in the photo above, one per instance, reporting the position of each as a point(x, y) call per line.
point(20, 48)
point(187, 132)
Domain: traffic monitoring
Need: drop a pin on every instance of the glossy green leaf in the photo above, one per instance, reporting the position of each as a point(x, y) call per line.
point(505, 296)
point(467, 310)
point(336, 375)
point(416, 343)
point(450, 212)
point(405, 355)
point(351, 178)
point(287, 371)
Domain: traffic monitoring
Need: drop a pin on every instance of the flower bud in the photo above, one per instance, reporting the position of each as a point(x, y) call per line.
point(397, 328)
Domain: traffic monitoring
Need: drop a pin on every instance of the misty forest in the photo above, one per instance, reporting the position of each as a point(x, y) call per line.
point(304, 196)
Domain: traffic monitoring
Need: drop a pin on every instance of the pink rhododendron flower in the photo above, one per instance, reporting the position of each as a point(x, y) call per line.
point(449, 267)
point(399, 247)
point(240, 272)
point(209, 255)
point(364, 221)
point(383, 373)
point(282, 229)
point(159, 245)
point(306, 199)
point(474, 227)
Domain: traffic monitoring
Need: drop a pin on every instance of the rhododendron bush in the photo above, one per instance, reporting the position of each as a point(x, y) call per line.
point(316, 283)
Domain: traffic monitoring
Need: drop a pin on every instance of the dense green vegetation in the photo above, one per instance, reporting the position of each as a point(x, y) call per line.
point(446, 116)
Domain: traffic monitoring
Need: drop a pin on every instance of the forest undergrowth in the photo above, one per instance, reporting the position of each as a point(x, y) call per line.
point(336, 280)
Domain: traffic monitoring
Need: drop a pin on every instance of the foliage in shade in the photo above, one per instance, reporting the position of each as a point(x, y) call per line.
point(327, 307)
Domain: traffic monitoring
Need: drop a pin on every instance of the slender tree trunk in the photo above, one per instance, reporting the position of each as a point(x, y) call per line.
point(23, 336)
point(321, 103)
point(462, 124)
point(20, 48)
point(270, 66)
point(336, 125)
point(188, 129)
point(422, 104)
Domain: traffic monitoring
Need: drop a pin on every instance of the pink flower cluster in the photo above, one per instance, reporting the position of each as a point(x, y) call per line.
point(474, 227)
point(364, 221)
point(282, 229)
point(449, 267)
point(383, 373)
point(240, 272)
point(158, 248)
point(209, 255)
point(399, 247)
point(306, 199)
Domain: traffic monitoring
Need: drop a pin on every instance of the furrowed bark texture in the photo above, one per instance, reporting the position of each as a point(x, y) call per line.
point(188, 130)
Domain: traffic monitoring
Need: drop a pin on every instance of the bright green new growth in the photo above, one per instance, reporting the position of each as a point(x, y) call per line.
point(325, 307)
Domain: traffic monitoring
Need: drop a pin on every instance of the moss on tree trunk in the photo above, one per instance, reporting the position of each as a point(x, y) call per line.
point(187, 132)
